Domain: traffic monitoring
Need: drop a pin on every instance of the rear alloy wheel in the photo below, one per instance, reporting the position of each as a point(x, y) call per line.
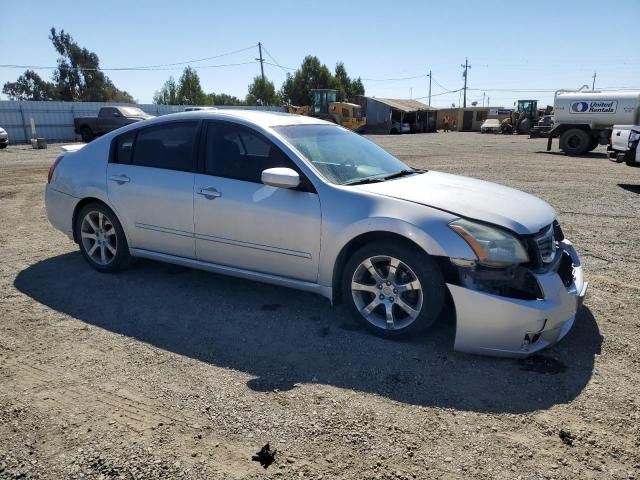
point(393, 291)
point(101, 238)
point(575, 141)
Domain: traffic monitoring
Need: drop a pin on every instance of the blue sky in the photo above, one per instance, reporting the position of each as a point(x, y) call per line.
point(543, 45)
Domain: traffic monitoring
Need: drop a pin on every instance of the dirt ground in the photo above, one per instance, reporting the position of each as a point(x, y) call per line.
point(166, 372)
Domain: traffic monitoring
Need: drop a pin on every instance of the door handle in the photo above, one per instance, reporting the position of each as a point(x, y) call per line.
point(120, 179)
point(209, 193)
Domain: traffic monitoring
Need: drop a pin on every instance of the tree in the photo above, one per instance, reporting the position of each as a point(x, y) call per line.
point(30, 86)
point(168, 94)
point(311, 74)
point(77, 78)
point(189, 89)
point(262, 92)
point(223, 99)
point(347, 88)
point(296, 89)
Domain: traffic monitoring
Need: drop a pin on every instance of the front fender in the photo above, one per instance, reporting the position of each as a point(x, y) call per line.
point(432, 235)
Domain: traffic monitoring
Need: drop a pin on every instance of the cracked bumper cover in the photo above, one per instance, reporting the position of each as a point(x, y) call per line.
point(489, 324)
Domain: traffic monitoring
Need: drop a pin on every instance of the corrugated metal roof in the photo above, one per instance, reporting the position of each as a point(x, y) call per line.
point(404, 105)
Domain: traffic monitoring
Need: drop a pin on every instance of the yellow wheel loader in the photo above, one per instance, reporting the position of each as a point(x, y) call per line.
point(325, 106)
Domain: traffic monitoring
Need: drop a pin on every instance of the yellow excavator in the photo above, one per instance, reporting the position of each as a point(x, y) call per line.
point(325, 106)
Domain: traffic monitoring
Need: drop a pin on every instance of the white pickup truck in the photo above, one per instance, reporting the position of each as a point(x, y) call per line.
point(624, 145)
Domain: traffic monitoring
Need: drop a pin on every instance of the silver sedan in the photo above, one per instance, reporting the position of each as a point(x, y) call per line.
point(303, 203)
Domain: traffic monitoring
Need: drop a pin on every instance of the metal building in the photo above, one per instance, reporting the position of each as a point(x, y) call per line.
point(382, 112)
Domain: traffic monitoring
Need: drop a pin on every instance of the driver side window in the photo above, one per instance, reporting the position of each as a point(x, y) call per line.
point(237, 152)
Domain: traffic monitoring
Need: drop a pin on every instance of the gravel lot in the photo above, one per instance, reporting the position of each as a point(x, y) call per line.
point(166, 372)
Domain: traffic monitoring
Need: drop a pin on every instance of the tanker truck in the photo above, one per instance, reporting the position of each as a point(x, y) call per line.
point(584, 119)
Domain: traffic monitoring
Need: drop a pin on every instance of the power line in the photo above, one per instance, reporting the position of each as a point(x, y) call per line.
point(185, 62)
point(441, 86)
point(197, 67)
point(276, 65)
point(424, 75)
point(275, 62)
point(141, 67)
point(439, 94)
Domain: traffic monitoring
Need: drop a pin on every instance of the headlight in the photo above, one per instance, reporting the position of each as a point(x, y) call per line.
point(493, 247)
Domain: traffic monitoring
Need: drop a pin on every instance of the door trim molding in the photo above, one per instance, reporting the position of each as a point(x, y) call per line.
point(155, 228)
point(227, 241)
point(235, 272)
point(255, 246)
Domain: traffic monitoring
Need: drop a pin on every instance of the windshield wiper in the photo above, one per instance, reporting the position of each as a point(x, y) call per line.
point(402, 173)
point(361, 181)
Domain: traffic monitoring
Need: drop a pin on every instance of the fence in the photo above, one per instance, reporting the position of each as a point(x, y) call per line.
point(54, 120)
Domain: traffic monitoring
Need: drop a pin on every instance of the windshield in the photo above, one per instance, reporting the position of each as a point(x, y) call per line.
point(132, 112)
point(341, 156)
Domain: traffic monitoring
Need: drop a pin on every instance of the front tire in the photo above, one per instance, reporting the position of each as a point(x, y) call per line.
point(101, 238)
point(393, 289)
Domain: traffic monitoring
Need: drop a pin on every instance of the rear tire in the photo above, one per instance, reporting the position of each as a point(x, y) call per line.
point(4, 145)
point(101, 238)
point(393, 288)
point(86, 134)
point(575, 141)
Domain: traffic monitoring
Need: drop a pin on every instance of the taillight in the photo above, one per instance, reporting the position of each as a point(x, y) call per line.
point(53, 167)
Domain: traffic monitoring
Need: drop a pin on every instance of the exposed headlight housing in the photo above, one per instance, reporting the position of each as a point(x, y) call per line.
point(633, 138)
point(494, 247)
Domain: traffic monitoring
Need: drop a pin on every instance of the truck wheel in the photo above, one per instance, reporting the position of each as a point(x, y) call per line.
point(86, 134)
point(575, 141)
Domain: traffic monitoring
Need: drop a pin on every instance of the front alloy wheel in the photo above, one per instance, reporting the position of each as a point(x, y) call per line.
point(386, 292)
point(393, 288)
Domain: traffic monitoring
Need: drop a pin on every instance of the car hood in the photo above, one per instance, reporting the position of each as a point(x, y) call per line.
point(474, 199)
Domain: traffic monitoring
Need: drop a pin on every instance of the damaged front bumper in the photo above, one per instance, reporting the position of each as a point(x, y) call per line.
point(492, 324)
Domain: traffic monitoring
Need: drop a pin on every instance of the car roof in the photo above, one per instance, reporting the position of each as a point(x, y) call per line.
point(261, 118)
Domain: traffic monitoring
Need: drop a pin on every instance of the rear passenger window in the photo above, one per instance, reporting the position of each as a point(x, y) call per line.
point(168, 146)
point(124, 147)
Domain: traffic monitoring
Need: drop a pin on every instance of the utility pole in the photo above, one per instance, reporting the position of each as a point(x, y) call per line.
point(261, 60)
point(429, 111)
point(593, 85)
point(483, 94)
point(488, 98)
point(466, 67)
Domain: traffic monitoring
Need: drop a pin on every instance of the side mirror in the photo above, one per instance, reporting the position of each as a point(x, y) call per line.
point(280, 177)
point(117, 114)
